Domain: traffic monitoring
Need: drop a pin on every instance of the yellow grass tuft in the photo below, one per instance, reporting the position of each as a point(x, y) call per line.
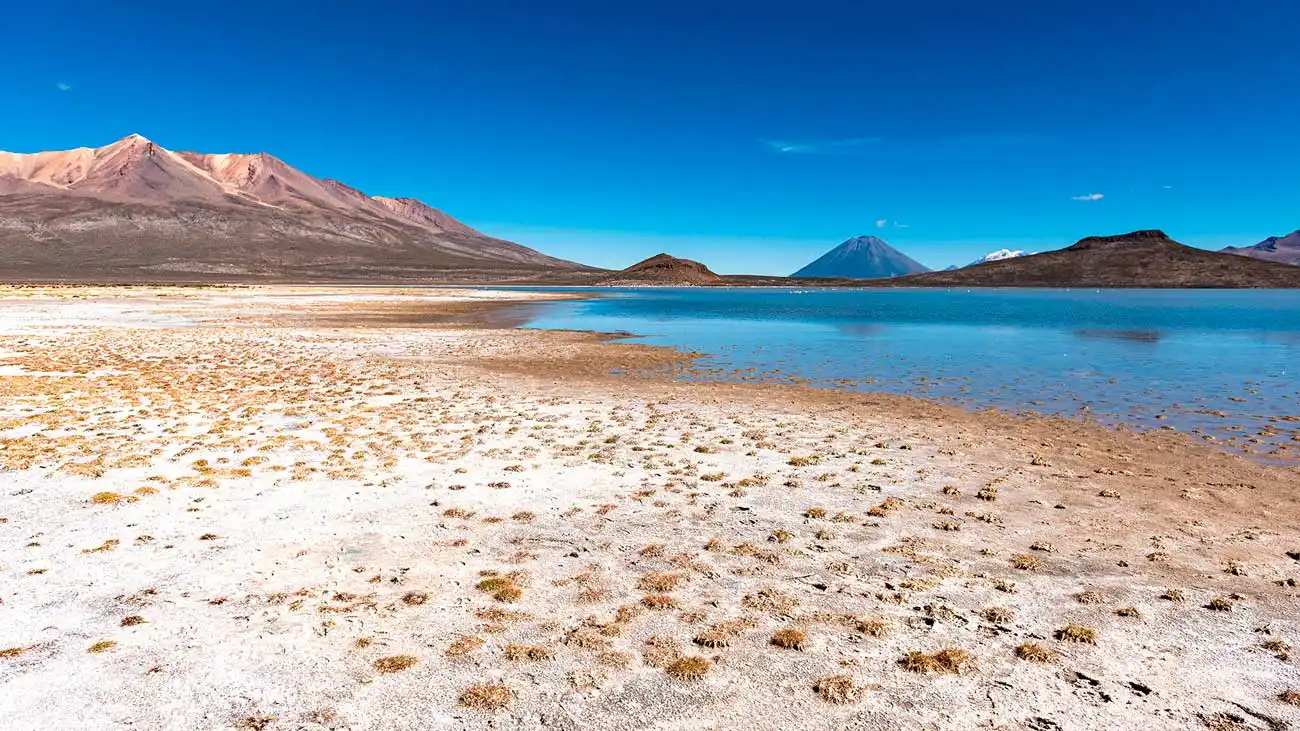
point(689, 668)
point(107, 498)
point(946, 660)
point(464, 646)
point(1077, 633)
point(1034, 652)
point(394, 664)
point(790, 639)
point(486, 697)
point(531, 653)
point(837, 689)
point(101, 646)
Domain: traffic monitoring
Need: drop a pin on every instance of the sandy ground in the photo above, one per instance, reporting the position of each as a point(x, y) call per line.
point(333, 509)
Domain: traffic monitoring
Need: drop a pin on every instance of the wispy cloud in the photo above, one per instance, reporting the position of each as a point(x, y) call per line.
point(881, 222)
point(821, 147)
point(63, 86)
point(1087, 197)
point(901, 225)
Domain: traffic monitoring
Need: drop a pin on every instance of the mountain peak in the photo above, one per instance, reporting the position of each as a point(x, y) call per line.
point(862, 257)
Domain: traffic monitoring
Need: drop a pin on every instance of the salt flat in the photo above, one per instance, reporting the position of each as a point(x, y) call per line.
point(294, 509)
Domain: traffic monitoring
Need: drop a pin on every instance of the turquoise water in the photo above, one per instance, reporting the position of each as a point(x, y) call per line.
point(1220, 364)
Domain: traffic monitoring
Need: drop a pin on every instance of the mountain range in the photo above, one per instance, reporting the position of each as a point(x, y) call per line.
point(1137, 259)
point(862, 257)
point(134, 210)
point(1284, 249)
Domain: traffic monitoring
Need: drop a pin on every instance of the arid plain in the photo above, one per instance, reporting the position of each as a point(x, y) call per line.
point(298, 508)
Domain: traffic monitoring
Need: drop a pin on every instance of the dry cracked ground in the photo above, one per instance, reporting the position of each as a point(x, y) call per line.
point(217, 515)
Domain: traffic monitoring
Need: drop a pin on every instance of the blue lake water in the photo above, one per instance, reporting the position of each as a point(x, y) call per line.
point(1221, 364)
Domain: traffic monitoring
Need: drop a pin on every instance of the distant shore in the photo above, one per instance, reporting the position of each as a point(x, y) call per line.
point(327, 508)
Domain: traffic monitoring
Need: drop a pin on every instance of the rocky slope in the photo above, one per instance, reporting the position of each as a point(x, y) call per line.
point(665, 271)
point(862, 257)
point(134, 210)
point(1282, 249)
point(1137, 259)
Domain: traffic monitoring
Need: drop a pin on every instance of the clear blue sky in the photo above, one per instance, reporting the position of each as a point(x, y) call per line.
point(751, 135)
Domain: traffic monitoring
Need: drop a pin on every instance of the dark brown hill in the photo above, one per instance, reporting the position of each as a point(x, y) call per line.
point(665, 271)
point(1137, 259)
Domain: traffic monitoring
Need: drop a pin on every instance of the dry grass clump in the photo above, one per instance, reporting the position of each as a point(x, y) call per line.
point(807, 461)
point(1077, 633)
point(654, 550)
point(1173, 595)
point(523, 516)
point(660, 581)
point(414, 598)
point(946, 660)
point(615, 659)
point(1132, 612)
point(769, 600)
point(502, 588)
point(988, 493)
point(486, 697)
point(1280, 649)
point(1219, 604)
point(104, 547)
point(13, 653)
point(998, 615)
point(1291, 697)
point(464, 646)
point(1025, 562)
point(1034, 652)
point(101, 646)
point(107, 498)
point(1090, 597)
point(661, 651)
point(658, 602)
point(689, 668)
point(458, 513)
point(722, 633)
point(132, 620)
point(837, 689)
point(790, 639)
point(874, 627)
point(532, 653)
point(815, 513)
point(394, 664)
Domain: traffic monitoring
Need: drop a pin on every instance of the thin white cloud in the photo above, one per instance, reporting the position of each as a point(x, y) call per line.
point(62, 86)
point(901, 225)
point(823, 147)
point(1088, 197)
point(880, 223)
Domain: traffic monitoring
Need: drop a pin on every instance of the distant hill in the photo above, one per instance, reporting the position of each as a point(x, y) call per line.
point(862, 257)
point(1283, 249)
point(135, 211)
point(1137, 259)
point(998, 255)
point(664, 271)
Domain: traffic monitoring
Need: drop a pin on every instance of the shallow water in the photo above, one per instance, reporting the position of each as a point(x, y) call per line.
point(1216, 363)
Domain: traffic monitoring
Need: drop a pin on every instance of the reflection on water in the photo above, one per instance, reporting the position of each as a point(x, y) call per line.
point(1132, 336)
point(1216, 363)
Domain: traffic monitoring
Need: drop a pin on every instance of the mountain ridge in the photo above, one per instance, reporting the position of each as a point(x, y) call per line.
point(1284, 249)
point(1145, 259)
point(133, 208)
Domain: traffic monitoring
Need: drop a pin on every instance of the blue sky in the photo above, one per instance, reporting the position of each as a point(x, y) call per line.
point(750, 135)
